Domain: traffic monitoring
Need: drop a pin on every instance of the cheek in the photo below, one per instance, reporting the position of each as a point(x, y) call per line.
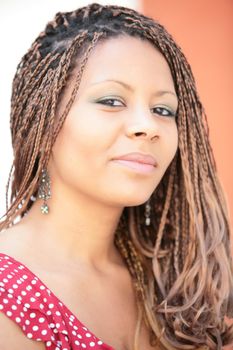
point(83, 142)
point(171, 138)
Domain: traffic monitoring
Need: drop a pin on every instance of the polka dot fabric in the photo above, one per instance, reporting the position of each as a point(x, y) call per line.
point(39, 313)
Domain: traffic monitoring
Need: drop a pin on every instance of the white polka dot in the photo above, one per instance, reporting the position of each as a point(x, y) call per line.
point(9, 276)
point(55, 330)
point(77, 342)
point(29, 335)
point(41, 319)
point(83, 345)
point(92, 343)
point(21, 314)
point(58, 325)
point(5, 301)
point(99, 342)
point(88, 335)
point(15, 286)
point(49, 312)
point(27, 322)
point(23, 292)
point(58, 313)
point(2, 284)
point(51, 306)
point(32, 315)
point(25, 277)
point(28, 287)
point(74, 333)
point(20, 298)
point(18, 319)
point(1, 306)
point(41, 306)
point(10, 296)
point(79, 336)
point(9, 313)
point(44, 332)
point(37, 294)
point(18, 281)
point(32, 299)
point(10, 290)
point(35, 328)
point(18, 302)
point(33, 282)
point(27, 305)
point(5, 280)
point(14, 307)
point(75, 327)
point(51, 325)
point(42, 287)
point(48, 343)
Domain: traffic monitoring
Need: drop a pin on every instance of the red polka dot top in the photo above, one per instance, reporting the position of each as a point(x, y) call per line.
point(39, 313)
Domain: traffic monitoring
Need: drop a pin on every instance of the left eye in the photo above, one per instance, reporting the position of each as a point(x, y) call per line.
point(163, 111)
point(110, 102)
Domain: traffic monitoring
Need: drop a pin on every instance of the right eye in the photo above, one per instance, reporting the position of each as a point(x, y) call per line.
point(110, 102)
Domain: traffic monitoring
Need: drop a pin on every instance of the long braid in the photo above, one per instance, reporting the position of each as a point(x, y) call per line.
point(180, 265)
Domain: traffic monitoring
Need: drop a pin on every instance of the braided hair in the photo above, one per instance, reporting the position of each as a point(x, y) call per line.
point(180, 265)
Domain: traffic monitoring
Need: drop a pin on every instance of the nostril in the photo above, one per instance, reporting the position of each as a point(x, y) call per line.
point(139, 133)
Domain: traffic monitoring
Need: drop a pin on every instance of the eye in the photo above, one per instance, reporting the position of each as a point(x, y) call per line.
point(110, 102)
point(164, 112)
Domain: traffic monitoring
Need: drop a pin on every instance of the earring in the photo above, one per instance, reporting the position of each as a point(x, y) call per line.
point(44, 191)
point(147, 213)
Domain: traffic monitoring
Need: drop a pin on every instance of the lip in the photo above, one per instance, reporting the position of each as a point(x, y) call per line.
point(142, 163)
point(138, 158)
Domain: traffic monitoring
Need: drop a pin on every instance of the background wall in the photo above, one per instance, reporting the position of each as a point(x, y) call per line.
point(204, 30)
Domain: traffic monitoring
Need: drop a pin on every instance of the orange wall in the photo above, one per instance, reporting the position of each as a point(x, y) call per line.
point(204, 30)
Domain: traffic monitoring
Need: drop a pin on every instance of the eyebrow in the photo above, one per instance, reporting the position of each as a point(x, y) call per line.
point(128, 87)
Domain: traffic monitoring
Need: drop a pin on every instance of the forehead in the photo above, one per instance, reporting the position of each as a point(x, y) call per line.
point(129, 59)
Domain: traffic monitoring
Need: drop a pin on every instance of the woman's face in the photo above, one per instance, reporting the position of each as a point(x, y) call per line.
point(126, 103)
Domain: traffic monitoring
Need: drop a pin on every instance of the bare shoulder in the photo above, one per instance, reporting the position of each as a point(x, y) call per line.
point(12, 337)
point(13, 239)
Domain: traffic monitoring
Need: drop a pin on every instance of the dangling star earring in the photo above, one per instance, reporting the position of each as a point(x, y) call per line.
point(147, 213)
point(44, 191)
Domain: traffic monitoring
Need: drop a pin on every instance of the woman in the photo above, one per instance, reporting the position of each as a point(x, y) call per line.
point(117, 233)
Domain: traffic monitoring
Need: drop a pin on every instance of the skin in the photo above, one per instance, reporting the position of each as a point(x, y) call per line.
point(89, 190)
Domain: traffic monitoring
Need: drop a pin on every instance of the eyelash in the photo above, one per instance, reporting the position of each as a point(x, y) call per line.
point(168, 111)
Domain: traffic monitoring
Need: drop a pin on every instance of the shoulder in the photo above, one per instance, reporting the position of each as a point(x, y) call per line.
point(11, 337)
point(25, 317)
point(13, 331)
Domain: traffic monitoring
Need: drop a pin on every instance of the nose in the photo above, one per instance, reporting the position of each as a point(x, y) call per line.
point(143, 125)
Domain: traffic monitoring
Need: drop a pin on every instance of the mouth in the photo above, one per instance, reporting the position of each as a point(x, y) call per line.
point(139, 162)
point(136, 166)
